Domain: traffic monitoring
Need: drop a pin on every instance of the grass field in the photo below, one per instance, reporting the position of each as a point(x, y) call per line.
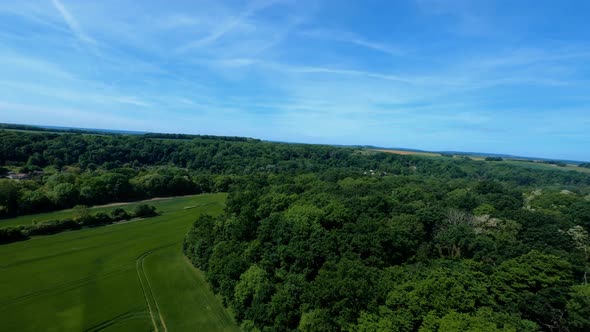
point(406, 152)
point(124, 277)
point(164, 205)
point(532, 165)
point(546, 166)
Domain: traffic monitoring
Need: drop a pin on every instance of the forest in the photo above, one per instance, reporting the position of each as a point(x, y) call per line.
point(66, 169)
point(324, 238)
point(335, 251)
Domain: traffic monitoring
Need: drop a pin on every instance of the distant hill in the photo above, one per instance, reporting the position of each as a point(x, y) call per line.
point(59, 129)
point(508, 156)
point(238, 138)
point(476, 154)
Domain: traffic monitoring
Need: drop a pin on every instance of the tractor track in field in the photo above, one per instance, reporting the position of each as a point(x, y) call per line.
point(63, 287)
point(129, 315)
point(150, 299)
point(37, 259)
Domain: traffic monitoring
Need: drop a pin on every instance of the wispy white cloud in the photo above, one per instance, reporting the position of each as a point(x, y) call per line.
point(11, 60)
point(179, 20)
point(257, 68)
point(351, 38)
point(46, 115)
point(468, 16)
point(230, 23)
point(71, 93)
point(377, 46)
point(39, 13)
point(73, 23)
point(352, 72)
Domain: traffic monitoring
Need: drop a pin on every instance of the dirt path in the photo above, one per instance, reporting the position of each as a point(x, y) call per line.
point(125, 222)
point(150, 299)
point(135, 202)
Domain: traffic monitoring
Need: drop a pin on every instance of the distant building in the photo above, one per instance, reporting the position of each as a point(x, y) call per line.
point(18, 176)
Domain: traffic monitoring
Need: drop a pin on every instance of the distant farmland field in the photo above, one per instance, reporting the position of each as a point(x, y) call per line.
point(124, 277)
point(407, 152)
point(164, 205)
point(547, 166)
point(514, 162)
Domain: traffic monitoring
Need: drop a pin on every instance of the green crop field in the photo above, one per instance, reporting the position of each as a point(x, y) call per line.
point(543, 166)
point(163, 205)
point(123, 277)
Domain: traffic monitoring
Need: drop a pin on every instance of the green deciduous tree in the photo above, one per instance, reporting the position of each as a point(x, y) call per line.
point(578, 308)
point(64, 195)
point(145, 211)
point(536, 285)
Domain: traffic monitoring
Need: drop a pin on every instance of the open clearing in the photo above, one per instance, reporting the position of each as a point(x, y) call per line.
point(163, 205)
point(547, 166)
point(128, 277)
point(407, 152)
point(523, 163)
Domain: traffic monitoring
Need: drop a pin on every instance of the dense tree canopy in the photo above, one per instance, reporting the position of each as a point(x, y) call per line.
point(348, 251)
point(66, 169)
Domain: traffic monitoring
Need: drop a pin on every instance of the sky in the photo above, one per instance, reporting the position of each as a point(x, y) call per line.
point(485, 76)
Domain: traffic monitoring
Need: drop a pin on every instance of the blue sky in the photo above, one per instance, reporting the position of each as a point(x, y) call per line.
point(490, 76)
